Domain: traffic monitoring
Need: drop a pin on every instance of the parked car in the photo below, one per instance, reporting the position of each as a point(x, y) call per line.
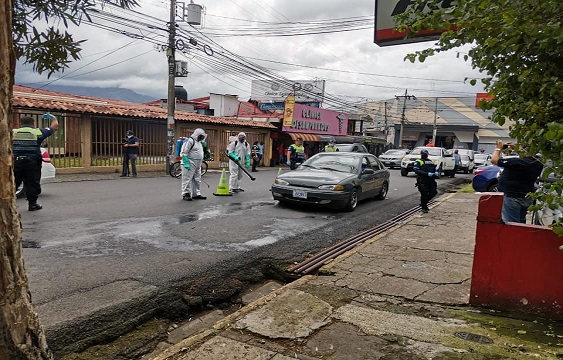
point(467, 165)
point(486, 179)
point(392, 158)
point(482, 160)
point(48, 172)
point(444, 161)
point(356, 147)
point(333, 179)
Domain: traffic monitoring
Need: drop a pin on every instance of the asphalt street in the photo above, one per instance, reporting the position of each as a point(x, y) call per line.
point(104, 256)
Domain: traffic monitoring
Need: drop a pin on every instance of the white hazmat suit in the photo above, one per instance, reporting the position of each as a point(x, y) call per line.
point(191, 178)
point(241, 149)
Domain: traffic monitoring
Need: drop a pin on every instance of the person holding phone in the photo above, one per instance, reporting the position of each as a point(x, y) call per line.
point(516, 181)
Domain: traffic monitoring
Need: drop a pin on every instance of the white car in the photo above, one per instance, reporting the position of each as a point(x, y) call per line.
point(48, 172)
point(482, 160)
point(444, 161)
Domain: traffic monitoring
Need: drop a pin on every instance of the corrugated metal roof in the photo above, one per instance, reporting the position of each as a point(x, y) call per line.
point(26, 97)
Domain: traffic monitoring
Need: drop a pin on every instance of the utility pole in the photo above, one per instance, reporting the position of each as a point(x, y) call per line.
point(434, 129)
point(171, 102)
point(403, 117)
point(386, 129)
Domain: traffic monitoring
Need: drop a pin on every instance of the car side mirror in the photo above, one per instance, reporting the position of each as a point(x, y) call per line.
point(368, 172)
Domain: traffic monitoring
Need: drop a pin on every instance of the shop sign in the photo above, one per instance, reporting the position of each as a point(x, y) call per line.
point(279, 90)
point(384, 23)
point(313, 120)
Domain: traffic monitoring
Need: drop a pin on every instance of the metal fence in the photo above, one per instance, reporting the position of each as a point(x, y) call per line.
point(108, 136)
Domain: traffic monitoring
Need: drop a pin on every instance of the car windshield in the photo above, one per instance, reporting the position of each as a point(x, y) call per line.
point(464, 158)
point(431, 151)
point(333, 162)
point(482, 157)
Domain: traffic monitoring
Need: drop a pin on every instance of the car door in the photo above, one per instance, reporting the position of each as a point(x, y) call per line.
point(368, 180)
point(380, 173)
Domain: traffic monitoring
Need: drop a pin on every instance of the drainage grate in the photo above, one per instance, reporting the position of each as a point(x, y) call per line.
point(474, 337)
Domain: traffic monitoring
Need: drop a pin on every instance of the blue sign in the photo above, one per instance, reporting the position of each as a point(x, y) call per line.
point(280, 105)
point(271, 106)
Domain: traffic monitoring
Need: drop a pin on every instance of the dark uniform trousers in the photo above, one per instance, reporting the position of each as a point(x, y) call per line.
point(28, 171)
point(427, 188)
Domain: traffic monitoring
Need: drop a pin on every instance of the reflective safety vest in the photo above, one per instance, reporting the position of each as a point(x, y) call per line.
point(297, 152)
point(26, 142)
point(330, 148)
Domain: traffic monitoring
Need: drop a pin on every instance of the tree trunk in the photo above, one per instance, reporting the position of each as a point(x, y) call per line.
point(21, 334)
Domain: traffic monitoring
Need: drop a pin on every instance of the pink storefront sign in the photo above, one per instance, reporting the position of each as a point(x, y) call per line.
point(312, 120)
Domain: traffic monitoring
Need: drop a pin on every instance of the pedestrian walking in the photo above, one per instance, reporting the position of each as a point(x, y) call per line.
point(192, 154)
point(26, 142)
point(238, 149)
point(281, 153)
point(261, 153)
point(130, 154)
point(255, 152)
point(425, 170)
point(457, 158)
point(516, 181)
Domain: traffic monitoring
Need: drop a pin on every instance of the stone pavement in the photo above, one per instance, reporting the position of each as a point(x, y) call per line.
point(400, 295)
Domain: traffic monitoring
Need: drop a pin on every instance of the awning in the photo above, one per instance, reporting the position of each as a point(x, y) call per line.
point(305, 137)
point(464, 136)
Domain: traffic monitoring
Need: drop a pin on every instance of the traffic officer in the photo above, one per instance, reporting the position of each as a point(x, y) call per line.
point(296, 153)
point(425, 170)
point(27, 156)
point(331, 147)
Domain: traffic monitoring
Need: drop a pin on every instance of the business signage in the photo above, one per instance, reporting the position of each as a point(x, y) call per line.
point(274, 90)
point(313, 120)
point(384, 23)
point(279, 105)
point(483, 97)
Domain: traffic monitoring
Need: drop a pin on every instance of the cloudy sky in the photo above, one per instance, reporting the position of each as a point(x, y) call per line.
point(354, 68)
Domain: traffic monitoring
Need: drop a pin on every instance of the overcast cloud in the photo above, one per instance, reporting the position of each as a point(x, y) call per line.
point(115, 60)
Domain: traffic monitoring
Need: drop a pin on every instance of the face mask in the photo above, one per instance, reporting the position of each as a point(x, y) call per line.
point(200, 137)
point(129, 136)
point(241, 139)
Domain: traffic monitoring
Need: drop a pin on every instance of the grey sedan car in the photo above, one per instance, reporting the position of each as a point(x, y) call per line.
point(392, 158)
point(333, 179)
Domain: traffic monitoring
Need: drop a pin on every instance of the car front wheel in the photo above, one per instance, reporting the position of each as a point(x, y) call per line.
point(493, 188)
point(352, 200)
point(404, 172)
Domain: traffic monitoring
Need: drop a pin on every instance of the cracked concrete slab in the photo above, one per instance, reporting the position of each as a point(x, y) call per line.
point(395, 286)
point(432, 272)
point(221, 348)
point(293, 314)
point(451, 294)
point(376, 322)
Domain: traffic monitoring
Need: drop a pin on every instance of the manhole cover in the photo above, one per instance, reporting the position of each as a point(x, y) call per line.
point(474, 337)
point(414, 265)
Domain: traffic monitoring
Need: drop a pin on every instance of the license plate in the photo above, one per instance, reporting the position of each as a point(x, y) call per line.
point(299, 194)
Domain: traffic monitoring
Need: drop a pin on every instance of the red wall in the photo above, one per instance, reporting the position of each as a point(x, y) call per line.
point(516, 266)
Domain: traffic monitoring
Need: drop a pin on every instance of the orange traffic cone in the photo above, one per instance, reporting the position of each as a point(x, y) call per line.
point(223, 187)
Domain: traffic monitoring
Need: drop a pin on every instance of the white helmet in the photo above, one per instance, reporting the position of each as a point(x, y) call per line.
point(199, 134)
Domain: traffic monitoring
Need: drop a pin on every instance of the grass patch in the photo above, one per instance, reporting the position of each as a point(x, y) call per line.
point(466, 189)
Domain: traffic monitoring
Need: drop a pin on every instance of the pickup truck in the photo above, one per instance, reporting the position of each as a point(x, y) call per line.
point(445, 163)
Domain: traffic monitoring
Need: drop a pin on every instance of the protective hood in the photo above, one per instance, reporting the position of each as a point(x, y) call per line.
point(241, 134)
point(198, 133)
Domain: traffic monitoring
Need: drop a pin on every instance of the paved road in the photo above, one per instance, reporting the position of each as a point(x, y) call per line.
point(104, 256)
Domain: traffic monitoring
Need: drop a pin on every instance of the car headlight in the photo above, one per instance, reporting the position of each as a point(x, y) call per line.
point(405, 159)
point(332, 187)
point(280, 182)
point(436, 161)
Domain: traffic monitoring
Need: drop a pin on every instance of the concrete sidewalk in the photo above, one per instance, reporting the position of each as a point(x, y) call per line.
point(401, 295)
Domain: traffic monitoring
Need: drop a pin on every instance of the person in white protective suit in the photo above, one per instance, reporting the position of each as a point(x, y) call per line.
point(239, 149)
point(192, 157)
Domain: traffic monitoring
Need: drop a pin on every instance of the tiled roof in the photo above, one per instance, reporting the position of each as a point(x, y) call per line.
point(26, 97)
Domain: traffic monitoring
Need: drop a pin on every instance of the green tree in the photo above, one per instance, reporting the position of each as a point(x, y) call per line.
point(23, 35)
point(518, 46)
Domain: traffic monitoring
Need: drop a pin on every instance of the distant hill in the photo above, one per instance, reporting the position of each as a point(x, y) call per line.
point(106, 93)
